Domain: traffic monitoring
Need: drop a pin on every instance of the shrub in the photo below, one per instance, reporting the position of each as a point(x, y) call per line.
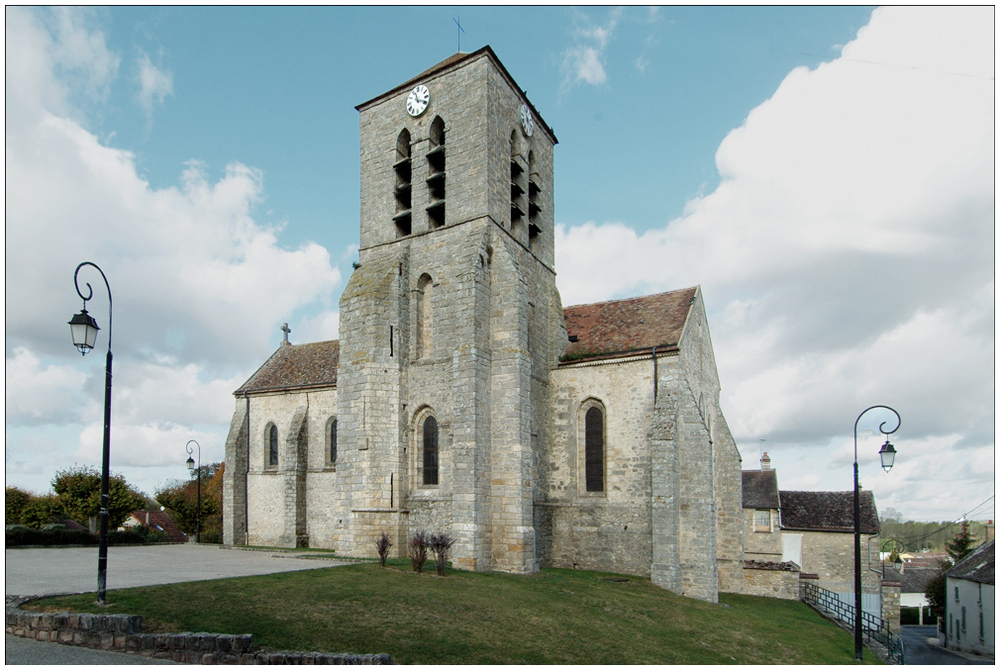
point(382, 545)
point(440, 543)
point(418, 551)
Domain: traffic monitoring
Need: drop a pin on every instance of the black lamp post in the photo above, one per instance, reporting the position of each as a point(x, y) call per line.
point(190, 463)
point(84, 330)
point(887, 454)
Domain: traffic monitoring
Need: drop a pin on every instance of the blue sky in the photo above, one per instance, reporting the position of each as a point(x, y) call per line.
point(825, 174)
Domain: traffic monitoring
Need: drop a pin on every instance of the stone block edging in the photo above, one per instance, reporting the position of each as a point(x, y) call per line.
point(123, 633)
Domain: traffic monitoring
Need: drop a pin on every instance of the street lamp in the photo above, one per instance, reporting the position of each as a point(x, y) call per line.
point(887, 455)
point(190, 464)
point(84, 330)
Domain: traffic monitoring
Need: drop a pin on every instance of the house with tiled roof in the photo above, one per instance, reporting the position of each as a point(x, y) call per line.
point(463, 398)
point(970, 610)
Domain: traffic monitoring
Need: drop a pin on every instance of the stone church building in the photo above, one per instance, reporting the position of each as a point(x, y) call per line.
point(463, 398)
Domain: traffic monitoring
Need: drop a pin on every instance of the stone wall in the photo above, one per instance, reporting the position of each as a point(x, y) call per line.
point(771, 579)
point(761, 545)
point(123, 633)
point(830, 555)
point(890, 604)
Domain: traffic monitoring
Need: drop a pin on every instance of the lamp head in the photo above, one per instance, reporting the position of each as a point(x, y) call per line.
point(84, 330)
point(190, 463)
point(888, 455)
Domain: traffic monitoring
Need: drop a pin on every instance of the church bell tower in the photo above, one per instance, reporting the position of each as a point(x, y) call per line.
point(451, 320)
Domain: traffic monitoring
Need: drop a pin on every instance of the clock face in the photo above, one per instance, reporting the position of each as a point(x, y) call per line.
point(527, 122)
point(417, 100)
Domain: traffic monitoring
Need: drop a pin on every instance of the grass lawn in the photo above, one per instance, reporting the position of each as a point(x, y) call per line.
point(556, 616)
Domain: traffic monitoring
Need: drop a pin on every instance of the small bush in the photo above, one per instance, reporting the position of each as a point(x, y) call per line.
point(440, 543)
point(418, 551)
point(382, 545)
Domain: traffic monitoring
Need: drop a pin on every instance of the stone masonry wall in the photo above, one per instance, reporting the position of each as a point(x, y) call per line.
point(830, 555)
point(771, 580)
point(234, 487)
point(123, 633)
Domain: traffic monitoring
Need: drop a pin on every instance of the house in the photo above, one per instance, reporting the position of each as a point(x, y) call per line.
point(814, 531)
point(156, 521)
point(463, 398)
point(970, 617)
point(913, 581)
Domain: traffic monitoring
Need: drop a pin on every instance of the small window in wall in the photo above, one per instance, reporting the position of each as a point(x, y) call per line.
point(963, 620)
point(956, 593)
point(762, 520)
point(272, 446)
point(425, 317)
point(436, 175)
point(429, 446)
point(594, 449)
point(331, 434)
point(403, 218)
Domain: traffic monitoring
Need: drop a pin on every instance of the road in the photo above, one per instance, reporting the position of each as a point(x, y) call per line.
point(919, 653)
point(71, 570)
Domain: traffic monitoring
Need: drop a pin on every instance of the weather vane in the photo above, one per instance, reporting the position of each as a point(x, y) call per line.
point(458, 22)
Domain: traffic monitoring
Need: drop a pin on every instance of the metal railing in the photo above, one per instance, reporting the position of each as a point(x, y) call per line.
point(874, 629)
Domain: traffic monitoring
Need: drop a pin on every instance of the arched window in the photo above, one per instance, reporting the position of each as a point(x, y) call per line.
point(425, 317)
point(403, 190)
point(332, 438)
point(272, 446)
point(429, 447)
point(534, 201)
point(594, 449)
point(436, 176)
point(516, 185)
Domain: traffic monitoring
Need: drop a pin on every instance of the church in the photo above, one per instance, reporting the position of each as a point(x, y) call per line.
point(463, 398)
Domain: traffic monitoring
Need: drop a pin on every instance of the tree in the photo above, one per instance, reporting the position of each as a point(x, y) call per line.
point(42, 510)
point(15, 501)
point(936, 592)
point(181, 500)
point(79, 490)
point(961, 545)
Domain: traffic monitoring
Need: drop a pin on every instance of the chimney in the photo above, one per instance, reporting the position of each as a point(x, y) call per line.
point(990, 531)
point(765, 463)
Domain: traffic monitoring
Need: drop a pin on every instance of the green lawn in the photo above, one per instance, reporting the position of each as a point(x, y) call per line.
point(556, 616)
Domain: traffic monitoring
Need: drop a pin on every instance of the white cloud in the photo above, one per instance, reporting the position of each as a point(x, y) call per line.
point(199, 286)
point(154, 84)
point(584, 59)
point(847, 255)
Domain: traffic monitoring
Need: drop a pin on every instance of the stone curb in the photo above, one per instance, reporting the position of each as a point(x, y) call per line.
point(123, 633)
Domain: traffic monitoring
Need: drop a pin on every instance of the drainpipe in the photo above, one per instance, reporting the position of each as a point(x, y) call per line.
point(656, 376)
point(246, 479)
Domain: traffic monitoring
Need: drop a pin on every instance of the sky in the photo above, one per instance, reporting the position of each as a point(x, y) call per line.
point(825, 174)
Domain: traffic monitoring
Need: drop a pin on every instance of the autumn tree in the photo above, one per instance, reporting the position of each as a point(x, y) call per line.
point(180, 498)
point(78, 488)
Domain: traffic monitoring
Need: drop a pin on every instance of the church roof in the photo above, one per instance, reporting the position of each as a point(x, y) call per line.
point(453, 61)
point(627, 326)
point(827, 511)
point(760, 489)
point(293, 367)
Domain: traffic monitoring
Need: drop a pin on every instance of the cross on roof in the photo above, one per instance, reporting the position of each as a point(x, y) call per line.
point(286, 329)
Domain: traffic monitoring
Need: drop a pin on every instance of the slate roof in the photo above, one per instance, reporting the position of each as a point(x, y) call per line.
point(760, 489)
point(915, 580)
point(977, 567)
point(294, 367)
point(627, 326)
point(827, 511)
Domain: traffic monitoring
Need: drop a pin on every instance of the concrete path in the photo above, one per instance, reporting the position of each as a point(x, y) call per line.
point(71, 570)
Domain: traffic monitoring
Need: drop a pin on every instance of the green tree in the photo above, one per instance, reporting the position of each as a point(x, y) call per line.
point(42, 510)
point(180, 498)
point(79, 490)
point(15, 501)
point(961, 545)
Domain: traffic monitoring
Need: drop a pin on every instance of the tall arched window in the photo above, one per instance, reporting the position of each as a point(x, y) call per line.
point(436, 175)
point(425, 317)
point(332, 438)
point(272, 446)
point(594, 449)
point(429, 447)
point(516, 185)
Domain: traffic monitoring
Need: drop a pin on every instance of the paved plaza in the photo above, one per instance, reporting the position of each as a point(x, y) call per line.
point(71, 570)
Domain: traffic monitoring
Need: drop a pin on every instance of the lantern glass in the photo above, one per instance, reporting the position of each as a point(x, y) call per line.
point(84, 330)
point(888, 455)
point(190, 463)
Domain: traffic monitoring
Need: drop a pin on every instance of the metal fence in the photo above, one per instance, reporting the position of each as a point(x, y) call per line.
point(873, 629)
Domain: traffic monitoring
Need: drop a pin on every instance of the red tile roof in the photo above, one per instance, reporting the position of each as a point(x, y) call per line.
point(627, 326)
point(296, 367)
